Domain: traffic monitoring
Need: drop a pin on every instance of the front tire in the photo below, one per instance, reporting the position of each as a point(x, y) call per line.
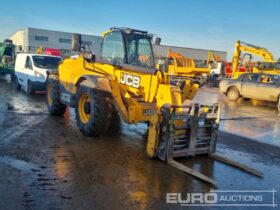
point(233, 94)
point(55, 107)
point(93, 111)
point(115, 124)
point(30, 88)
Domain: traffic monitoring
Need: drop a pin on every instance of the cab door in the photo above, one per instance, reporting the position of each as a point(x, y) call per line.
point(28, 72)
point(267, 88)
point(19, 68)
point(249, 85)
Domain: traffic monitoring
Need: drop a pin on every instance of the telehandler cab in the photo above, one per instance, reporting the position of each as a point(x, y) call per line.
point(124, 82)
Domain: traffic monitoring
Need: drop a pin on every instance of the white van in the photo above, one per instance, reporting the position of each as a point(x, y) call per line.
point(32, 70)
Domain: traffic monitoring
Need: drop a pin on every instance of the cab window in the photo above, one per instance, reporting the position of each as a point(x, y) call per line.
point(113, 48)
point(28, 63)
point(139, 50)
point(250, 77)
point(266, 79)
point(170, 61)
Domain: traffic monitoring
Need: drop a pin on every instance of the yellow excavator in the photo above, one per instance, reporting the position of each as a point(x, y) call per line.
point(268, 64)
point(124, 83)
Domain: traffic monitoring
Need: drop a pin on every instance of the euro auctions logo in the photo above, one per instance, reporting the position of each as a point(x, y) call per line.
point(238, 198)
point(192, 198)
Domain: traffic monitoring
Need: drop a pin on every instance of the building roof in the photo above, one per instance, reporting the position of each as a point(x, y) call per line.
point(60, 31)
point(190, 48)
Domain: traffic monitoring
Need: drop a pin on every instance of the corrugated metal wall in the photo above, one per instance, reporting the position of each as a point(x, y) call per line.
point(197, 54)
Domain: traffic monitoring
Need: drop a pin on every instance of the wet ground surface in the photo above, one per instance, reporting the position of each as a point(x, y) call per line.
point(254, 119)
point(46, 163)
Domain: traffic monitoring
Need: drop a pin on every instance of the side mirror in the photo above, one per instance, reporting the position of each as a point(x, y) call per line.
point(27, 66)
point(157, 41)
point(76, 42)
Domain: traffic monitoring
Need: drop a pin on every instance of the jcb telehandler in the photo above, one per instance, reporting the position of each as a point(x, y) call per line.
point(124, 82)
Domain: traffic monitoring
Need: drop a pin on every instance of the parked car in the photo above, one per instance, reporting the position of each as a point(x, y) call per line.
point(254, 86)
point(32, 70)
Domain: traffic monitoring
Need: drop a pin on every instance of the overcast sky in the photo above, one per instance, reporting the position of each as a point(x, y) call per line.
point(213, 24)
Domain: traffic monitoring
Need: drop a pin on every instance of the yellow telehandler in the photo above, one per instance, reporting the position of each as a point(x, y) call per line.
point(123, 82)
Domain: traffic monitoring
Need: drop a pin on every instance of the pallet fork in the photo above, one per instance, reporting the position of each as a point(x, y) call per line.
point(189, 131)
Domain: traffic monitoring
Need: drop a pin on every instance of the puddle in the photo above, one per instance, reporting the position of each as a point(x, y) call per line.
point(18, 164)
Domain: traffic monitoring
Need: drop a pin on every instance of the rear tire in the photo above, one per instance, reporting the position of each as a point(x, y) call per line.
point(93, 111)
point(233, 94)
point(55, 107)
point(30, 88)
point(15, 83)
point(278, 103)
point(13, 77)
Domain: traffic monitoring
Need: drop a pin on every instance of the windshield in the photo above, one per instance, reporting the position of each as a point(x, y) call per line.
point(139, 50)
point(276, 78)
point(46, 62)
point(278, 66)
point(113, 48)
point(265, 65)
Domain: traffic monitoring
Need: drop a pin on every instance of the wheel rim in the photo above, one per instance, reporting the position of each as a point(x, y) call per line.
point(50, 95)
point(84, 99)
point(233, 94)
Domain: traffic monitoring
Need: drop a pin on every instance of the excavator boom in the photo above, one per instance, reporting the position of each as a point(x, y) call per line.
point(249, 48)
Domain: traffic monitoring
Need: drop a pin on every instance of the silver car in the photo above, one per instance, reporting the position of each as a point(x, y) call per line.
point(254, 86)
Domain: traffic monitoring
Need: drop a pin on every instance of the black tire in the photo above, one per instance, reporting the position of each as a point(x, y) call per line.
point(216, 81)
point(278, 103)
point(233, 94)
point(15, 83)
point(30, 89)
point(55, 107)
point(115, 124)
point(99, 111)
point(13, 77)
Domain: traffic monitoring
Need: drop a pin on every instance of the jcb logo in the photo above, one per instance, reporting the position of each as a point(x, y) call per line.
point(148, 112)
point(130, 80)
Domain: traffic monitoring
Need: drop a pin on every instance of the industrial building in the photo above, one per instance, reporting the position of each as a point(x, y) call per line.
point(197, 54)
point(30, 39)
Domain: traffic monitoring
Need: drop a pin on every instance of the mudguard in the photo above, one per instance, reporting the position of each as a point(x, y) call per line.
point(99, 83)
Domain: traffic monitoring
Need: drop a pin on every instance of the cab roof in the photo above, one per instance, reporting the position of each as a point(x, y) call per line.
point(128, 30)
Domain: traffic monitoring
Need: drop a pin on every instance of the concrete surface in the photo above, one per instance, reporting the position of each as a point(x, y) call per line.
point(46, 163)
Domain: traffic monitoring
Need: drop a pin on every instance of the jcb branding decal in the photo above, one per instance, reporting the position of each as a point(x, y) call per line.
point(148, 112)
point(130, 80)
